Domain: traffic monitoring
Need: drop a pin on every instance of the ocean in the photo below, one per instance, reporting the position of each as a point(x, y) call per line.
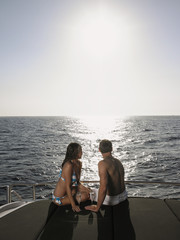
point(33, 148)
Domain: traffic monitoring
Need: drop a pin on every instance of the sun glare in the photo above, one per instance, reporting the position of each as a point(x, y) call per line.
point(97, 59)
point(102, 33)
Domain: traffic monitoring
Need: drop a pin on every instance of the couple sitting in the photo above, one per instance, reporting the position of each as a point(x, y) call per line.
point(69, 190)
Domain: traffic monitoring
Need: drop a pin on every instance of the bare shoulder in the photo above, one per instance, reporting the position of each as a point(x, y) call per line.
point(67, 166)
point(118, 164)
point(116, 160)
point(102, 166)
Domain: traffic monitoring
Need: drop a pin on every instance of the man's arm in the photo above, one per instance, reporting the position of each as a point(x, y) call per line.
point(102, 189)
point(103, 183)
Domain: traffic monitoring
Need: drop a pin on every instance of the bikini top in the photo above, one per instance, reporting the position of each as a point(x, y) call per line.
point(73, 178)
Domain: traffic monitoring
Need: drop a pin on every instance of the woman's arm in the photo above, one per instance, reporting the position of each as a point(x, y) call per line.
point(68, 174)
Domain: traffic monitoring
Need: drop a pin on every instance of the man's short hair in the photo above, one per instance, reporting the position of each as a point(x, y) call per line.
point(105, 146)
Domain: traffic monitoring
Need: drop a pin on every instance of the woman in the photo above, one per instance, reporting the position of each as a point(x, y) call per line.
point(69, 190)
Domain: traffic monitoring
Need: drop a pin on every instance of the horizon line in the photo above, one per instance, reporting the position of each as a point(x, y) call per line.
point(99, 116)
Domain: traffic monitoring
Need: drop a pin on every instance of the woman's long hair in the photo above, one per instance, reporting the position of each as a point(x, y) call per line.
point(72, 152)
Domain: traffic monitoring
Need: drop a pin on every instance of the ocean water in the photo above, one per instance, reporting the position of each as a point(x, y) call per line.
point(33, 148)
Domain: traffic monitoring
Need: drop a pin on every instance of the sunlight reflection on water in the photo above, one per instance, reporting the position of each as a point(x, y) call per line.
point(93, 130)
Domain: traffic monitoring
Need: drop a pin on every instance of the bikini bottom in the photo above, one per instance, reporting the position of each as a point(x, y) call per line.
point(57, 199)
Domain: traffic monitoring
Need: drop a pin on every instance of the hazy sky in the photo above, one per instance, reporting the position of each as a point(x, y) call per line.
point(89, 57)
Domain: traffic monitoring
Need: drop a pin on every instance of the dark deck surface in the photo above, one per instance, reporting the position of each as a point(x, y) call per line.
point(105, 225)
point(148, 219)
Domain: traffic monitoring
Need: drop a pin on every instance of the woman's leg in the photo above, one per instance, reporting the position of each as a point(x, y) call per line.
point(78, 197)
point(80, 194)
point(83, 193)
point(82, 188)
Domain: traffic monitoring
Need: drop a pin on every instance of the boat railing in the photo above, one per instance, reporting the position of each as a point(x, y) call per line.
point(10, 190)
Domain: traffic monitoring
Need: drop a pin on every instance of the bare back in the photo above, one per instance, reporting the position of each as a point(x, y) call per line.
point(115, 172)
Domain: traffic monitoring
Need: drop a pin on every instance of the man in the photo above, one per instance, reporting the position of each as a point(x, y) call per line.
point(111, 172)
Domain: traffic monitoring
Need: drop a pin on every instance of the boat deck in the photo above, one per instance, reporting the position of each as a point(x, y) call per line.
point(148, 219)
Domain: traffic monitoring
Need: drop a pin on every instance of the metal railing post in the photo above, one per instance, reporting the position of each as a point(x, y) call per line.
point(34, 192)
point(8, 193)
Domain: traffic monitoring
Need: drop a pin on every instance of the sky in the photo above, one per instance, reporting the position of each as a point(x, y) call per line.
point(89, 57)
